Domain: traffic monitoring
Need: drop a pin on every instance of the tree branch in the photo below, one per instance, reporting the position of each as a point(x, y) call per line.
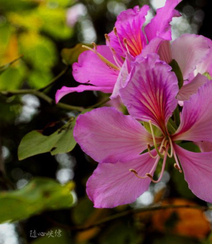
point(54, 79)
point(129, 212)
point(42, 96)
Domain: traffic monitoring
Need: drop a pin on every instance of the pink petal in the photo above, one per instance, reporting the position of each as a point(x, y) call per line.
point(191, 88)
point(123, 76)
point(196, 116)
point(152, 47)
point(197, 169)
point(189, 50)
point(81, 88)
point(206, 64)
point(129, 25)
point(151, 91)
point(90, 68)
point(165, 52)
point(105, 133)
point(112, 184)
point(160, 24)
point(204, 146)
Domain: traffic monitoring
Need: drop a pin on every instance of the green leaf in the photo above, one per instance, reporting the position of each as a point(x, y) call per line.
point(54, 21)
point(190, 146)
point(156, 130)
point(207, 75)
point(177, 71)
point(13, 77)
point(61, 141)
point(70, 55)
point(38, 50)
point(39, 195)
point(39, 78)
point(6, 66)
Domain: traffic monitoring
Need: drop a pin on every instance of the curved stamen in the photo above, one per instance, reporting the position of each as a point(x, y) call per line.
point(154, 141)
point(162, 170)
point(171, 147)
point(94, 46)
point(177, 165)
point(101, 57)
point(107, 38)
point(136, 174)
point(149, 151)
point(150, 172)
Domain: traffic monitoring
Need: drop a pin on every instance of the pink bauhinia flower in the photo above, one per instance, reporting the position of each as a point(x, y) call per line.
point(100, 68)
point(118, 142)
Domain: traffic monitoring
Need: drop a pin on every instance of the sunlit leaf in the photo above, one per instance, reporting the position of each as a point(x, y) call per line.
point(182, 221)
point(38, 50)
point(39, 195)
point(5, 33)
point(34, 143)
point(70, 55)
point(12, 78)
point(56, 3)
point(39, 78)
point(16, 5)
point(6, 66)
point(54, 22)
point(27, 20)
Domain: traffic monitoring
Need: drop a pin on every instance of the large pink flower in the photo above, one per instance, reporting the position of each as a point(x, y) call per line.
point(100, 68)
point(117, 141)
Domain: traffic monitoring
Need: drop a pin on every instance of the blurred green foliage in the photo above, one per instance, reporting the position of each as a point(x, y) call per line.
point(30, 28)
point(39, 195)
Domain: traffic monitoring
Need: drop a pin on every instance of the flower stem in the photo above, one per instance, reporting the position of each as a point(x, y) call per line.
point(42, 96)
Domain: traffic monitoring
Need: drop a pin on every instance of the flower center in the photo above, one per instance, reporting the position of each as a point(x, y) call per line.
point(165, 150)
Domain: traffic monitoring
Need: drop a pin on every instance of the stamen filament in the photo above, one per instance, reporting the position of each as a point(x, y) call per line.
point(177, 165)
point(171, 147)
point(154, 141)
point(126, 45)
point(101, 57)
point(116, 58)
point(113, 52)
point(155, 165)
point(149, 151)
point(162, 170)
point(136, 174)
point(94, 45)
point(107, 37)
point(150, 172)
point(116, 34)
point(161, 149)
